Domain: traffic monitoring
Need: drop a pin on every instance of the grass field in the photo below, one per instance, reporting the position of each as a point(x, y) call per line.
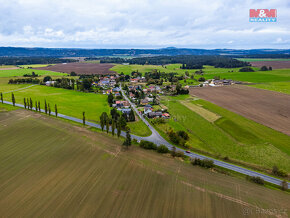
point(275, 80)
point(7, 66)
point(53, 169)
point(283, 87)
point(21, 72)
point(71, 103)
point(35, 65)
point(230, 136)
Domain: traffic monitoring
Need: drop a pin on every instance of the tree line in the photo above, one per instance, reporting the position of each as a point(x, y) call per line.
point(187, 61)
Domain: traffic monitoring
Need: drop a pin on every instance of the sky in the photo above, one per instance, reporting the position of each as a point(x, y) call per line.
point(205, 24)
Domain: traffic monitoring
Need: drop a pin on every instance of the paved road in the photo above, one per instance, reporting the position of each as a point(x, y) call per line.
point(158, 139)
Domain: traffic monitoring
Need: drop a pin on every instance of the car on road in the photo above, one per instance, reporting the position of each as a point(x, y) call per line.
point(187, 151)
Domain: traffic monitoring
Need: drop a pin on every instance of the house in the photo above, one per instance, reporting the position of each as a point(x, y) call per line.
point(166, 115)
point(116, 89)
point(147, 109)
point(154, 114)
point(125, 110)
point(144, 102)
point(122, 104)
point(49, 83)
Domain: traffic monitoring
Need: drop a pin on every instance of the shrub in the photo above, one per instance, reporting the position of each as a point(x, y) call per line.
point(277, 172)
point(201, 79)
point(148, 145)
point(256, 179)
point(162, 149)
point(264, 68)
point(183, 134)
point(206, 163)
point(284, 185)
point(246, 69)
point(180, 154)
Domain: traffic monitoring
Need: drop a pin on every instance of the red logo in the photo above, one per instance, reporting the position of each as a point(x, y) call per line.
point(263, 15)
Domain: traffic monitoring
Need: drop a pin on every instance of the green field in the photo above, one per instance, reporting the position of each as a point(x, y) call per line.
point(283, 87)
point(275, 80)
point(21, 72)
point(54, 169)
point(71, 103)
point(35, 65)
point(7, 66)
point(230, 136)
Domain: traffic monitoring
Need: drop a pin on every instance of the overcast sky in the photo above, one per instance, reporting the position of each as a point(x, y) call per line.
point(142, 24)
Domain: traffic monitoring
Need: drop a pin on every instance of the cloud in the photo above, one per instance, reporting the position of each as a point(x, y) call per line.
point(141, 24)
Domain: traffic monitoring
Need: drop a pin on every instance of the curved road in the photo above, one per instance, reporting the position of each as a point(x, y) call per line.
point(156, 138)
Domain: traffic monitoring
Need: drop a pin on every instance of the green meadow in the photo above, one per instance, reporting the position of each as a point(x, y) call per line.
point(275, 80)
point(35, 65)
point(71, 103)
point(231, 135)
point(21, 72)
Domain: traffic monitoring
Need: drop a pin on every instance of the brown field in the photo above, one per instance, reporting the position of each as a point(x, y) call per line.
point(273, 64)
point(269, 108)
point(51, 168)
point(80, 68)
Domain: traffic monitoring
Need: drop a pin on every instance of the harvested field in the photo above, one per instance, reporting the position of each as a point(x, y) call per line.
point(80, 68)
point(206, 114)
point(273, 64)
point(53, 169)
point(269, 108)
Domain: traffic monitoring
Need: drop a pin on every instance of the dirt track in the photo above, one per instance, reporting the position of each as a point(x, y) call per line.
point(80, 68)
point(273, 64)
point(269, 108)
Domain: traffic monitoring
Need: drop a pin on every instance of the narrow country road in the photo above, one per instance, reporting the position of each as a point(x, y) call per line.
point(156, 138)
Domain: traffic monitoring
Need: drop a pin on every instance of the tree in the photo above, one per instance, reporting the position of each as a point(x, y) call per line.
point(264, 68)
point(2, 97)
point(13, 99)
point(127, 141)
point(122, 122)
point(284, 185)
point(119, 129)
point(131, 116)
point(107, 124)
point(110, 99)
point(36, 106)
point(49, 110)
point(31, 104)
point(45, 107)
point(113, 127)
point(103, 120)
point(23, 102)
point(84, 119)
point(173, 152)
point(39, 106)
point(55, 110)
point(73, 73)
point(47, 78)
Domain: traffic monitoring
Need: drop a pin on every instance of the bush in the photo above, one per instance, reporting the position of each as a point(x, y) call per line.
point(246, 69)
point(180, 154)
point(148, 145)
point(206, 163)
point(277, 172)
point(162, 149)
point(256, 179)
point(201, 79)
point(264, 68)
point(284, 185)
point(183, 134)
